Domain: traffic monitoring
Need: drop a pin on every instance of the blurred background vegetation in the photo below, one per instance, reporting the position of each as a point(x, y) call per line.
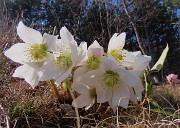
point(149, 24)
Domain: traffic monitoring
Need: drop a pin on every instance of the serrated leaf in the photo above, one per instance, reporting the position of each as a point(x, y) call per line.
point(160, 62)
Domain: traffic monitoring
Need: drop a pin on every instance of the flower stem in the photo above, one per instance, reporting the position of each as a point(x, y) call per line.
point(76, 109)
point(53, 87)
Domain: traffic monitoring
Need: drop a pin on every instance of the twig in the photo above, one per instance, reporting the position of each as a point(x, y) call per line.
point(134, 27)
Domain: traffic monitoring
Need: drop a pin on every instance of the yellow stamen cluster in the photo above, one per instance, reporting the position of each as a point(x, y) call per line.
point(37, 52)
point(64, 60)
point(118, 55)
point(111, 79)
point(93, 63)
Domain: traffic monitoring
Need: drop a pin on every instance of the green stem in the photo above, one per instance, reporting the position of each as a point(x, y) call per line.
point(53, 87)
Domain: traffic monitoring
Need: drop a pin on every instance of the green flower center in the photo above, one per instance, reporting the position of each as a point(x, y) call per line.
point(92, 93)
point(38, 52)
point(111, 79)
point(118, 55)
point(64, 60)
point(93, 63)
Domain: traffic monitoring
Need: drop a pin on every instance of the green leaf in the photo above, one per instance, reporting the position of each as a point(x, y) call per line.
point(148, 84)
point(160, 62)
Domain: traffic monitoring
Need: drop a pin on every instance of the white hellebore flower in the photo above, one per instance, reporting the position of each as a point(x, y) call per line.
point(65, 58)
point(93, 60)
point(135, 62)
point(32, 54)
point(137, 67)
point(112, 84)
point(116, 51)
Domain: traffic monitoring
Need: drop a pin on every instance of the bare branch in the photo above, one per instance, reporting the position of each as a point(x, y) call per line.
point(134, 27)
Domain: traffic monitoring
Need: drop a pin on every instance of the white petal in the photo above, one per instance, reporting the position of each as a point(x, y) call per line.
point(110, 57)
point(120, 97)
point(76, 85)
point(141, 62)
point(66, 36)
point(110, 65)
point(50, 41)
point(80, 88)
point(95, 49)
point(50, 71)
point(28, 35)
point(79, 72)
point(83, 46)
point(138, 90)
point(88, 77)
point(18, 53)
point(28, 73)
point(82, 55)
point(74, 52)
point(62, 77)
point(136, 72)
point(117, 41)
point(81, 101)
point(128, 77)
point(137, 53)
point(129, 57)
point(49, 57)
point(103, 94)
point(133, 97)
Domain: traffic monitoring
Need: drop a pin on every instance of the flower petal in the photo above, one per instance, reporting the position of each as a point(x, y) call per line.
point(133, 97)
point(88, 77)
point(103, 94)
point(117, 41)
point(110, 65)
point(82, 55)
point(18, 53)
point(28, 35)
point(80, 88)
point(74, 52)
point(138, 91)
point(120, 97)
point(79, 72)
point(81, 101)
point(95, 49)
point(66, 36)
point(63, 76)
point(50, 41)
point(141, 62)
point(28, 73)
point(128, 77)
point(50, 71)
